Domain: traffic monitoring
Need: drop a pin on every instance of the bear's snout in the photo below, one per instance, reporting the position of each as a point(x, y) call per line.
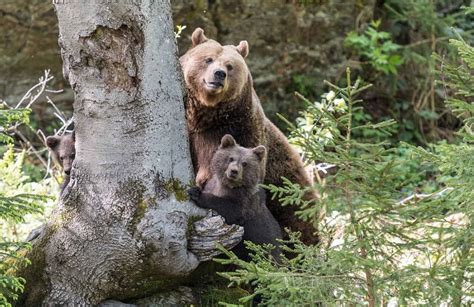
point(220, 75)
point(234, 173)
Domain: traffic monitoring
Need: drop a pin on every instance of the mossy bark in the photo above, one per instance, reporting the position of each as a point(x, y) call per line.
point(120, 229)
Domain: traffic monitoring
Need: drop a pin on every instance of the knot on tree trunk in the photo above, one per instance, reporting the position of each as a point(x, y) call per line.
point(210, 232)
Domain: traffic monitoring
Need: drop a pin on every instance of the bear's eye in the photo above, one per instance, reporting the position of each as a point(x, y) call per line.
point(231, 159)
point(72, 156)
point(244, 164)
point(61, 158)
point(229, 67)
point(208, 60)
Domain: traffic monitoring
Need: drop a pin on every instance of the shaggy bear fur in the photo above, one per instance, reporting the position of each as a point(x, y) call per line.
point(63, 151)
point(221, 100)
point(234, 193)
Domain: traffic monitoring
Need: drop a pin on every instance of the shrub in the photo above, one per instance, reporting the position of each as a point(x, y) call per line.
point(14, 205)
point(378, 244)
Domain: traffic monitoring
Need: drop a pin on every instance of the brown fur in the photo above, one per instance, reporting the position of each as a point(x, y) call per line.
point(234, 193)
point(235, 109)
point(64, 152)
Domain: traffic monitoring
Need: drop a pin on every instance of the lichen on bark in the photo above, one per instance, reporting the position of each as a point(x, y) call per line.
point(113, 54)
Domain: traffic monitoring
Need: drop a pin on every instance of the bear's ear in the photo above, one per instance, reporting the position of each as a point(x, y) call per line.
point(198, 37)
point(243, 49)
point(227, 141)
point(260, 152)
point(52, 141)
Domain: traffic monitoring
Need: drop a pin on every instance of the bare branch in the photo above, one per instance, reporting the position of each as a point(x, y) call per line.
point(40, 88)
point(54, 91)
point(32, 96)
point(28, 143)
point(59, 114)
point(324, 167)
point(419, 196)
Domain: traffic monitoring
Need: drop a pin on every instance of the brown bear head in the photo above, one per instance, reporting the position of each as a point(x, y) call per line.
point(63, 150)
point(236, 166)
point(215, 73)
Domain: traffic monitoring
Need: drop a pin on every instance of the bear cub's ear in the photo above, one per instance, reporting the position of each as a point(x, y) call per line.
point(52, 141)
point(198, 37)
point(227, 141)
point(260, 151)
point(243, 49)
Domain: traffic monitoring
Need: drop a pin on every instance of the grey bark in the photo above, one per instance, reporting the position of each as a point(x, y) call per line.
point(120, 229)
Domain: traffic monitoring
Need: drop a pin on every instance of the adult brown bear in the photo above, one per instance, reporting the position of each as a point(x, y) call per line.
point(222, 100)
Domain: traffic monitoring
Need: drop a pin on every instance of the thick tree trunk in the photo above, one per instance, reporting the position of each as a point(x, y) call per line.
point(120, 229)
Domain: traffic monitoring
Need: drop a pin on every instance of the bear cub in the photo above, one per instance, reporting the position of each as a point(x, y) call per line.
point(234, 193)
point(64, 151)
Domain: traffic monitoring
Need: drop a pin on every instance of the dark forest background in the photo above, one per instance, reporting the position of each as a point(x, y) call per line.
point(294, 46)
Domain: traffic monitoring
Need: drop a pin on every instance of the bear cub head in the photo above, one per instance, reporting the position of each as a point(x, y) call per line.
point(63, 150)
point(215, 73)
point(234, 166)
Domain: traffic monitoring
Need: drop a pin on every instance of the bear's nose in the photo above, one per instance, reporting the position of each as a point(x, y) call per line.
point(220, 74)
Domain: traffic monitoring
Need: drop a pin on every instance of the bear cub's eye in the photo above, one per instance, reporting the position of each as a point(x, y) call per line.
point(229, 67)
point(209, 60)
point(231, 159)
point(244, 164)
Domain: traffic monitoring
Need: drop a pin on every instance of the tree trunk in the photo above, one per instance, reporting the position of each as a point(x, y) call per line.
point(120, 229)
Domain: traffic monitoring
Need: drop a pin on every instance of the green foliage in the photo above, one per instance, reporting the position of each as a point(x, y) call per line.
point(8, 116)
point(435, 17)
point(15, 203)
point(418, 28)
point(301, 281)
point(377, 243)
point(10, 260)
point(303, 84)
point(455, 167)
point(459, 80)
point(220, 294)
point(377, 47)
